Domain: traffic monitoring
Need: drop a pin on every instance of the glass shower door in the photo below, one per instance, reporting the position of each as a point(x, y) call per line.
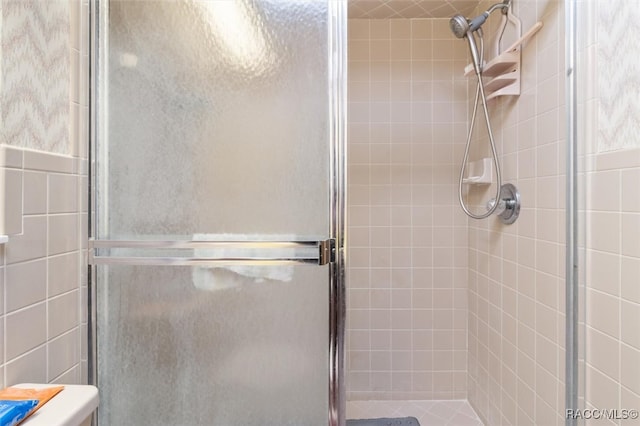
point(217, 211)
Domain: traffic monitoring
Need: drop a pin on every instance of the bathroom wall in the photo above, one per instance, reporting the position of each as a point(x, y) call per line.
point(44, 173)
point(610, 163)
point(516, 272)
point(407, 276)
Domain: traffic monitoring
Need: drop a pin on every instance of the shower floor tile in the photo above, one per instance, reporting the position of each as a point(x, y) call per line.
point(428, 413)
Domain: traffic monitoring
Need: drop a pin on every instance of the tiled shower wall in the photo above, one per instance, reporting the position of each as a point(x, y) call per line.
point(516, 272)
point(407, 277)
point(611, 166)
point(44, 170)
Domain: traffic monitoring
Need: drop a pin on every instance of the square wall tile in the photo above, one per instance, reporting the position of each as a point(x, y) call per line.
point(29, 368)
point(31, 244)
point(25, 330)
point(62, 354)
point(26, 284)
point(63, 233)
point(11, 208)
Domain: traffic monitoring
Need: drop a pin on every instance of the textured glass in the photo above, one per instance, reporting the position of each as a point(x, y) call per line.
point(217, 118)
point(213, 123)
point(178, 346)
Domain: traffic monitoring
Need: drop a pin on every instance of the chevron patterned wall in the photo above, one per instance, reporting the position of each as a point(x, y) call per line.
point(35, 73)
point(618, 72)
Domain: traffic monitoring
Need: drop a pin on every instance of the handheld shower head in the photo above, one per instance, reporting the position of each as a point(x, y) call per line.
point(476, 23)
point(459, 26)
point(462, 27)
point(475, 55)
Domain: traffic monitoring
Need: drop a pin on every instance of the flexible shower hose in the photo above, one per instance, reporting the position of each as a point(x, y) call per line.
point(494, 153)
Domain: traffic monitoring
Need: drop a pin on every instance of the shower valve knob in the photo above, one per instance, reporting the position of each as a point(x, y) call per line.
point(508, 208)
point(501, 206)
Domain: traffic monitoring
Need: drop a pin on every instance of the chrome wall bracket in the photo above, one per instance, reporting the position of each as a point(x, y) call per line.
point(505, 10)
point(509, 205)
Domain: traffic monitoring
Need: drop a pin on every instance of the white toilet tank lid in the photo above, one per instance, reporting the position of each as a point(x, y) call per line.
point(68, 408)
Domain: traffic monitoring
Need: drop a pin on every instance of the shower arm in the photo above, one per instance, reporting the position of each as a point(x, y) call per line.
point(463, 27)
point(504, 6)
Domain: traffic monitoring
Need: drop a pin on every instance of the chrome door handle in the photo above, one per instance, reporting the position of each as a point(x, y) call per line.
point(202, 253)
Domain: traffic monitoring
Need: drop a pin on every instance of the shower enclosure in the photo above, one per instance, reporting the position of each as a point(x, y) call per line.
point(217, 212)
point(463, 309)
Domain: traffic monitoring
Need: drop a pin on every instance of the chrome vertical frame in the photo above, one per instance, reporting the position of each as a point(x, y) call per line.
point(571, 256)
point(94, 39)
point(99, 42)
point(338, 120)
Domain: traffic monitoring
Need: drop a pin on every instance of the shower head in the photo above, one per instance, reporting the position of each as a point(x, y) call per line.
point(460, 26)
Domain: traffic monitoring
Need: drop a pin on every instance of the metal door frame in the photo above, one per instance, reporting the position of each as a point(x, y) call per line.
point(337, 36)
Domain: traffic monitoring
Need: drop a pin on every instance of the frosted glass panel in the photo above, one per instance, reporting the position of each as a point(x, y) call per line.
point(216, 119)
point(213, 123)
point(182, 346)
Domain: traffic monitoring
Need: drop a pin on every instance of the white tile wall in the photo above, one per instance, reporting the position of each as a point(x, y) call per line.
point(41, 277)
point(611, 265)
point(381, 9)
point(516, 272)
point(407, 313)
